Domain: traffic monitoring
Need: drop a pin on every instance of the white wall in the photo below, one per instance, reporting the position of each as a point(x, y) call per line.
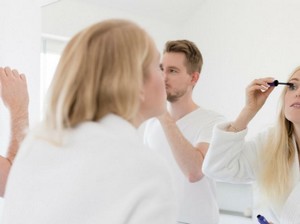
point(243, 40)
point(20, 24)
point(20, 43)
point(68, 17)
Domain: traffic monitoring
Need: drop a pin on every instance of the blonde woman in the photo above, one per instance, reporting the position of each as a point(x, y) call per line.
point(85, 163)
point(271, 159)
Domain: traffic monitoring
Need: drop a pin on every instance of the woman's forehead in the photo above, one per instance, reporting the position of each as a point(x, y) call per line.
point(296, 76)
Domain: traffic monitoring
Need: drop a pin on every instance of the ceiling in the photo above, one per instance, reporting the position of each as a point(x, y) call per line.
point(174, 11)
point(44, 3)
point(167, 10)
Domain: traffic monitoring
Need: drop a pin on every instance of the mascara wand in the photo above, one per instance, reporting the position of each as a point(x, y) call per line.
point(276, 83)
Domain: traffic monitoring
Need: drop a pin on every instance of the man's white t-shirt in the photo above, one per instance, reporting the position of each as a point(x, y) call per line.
point(197, 201)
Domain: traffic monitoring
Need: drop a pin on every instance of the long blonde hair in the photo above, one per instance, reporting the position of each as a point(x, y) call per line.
point(277, 157)
point(101, 71)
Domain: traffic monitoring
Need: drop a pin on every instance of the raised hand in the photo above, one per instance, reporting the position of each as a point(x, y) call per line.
point(14, 91)
point(257, 93)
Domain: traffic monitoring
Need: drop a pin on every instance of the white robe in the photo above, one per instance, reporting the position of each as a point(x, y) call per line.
point(102, 173)
point(232, 159)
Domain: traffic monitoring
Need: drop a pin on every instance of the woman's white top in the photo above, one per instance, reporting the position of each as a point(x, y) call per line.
point(233, 159)
point(102, 173)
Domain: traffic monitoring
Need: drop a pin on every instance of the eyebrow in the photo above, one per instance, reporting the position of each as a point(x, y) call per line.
point(294, 79)
point(168, 67)
point(173, 67)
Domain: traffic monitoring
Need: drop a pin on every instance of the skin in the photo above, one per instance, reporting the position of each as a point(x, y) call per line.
point(15, 97)
point(257, 93)
point(179, 86)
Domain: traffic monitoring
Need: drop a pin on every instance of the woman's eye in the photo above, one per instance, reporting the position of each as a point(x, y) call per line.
point(293, 86)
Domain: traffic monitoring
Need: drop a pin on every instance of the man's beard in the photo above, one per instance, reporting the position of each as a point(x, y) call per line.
point(176, 96)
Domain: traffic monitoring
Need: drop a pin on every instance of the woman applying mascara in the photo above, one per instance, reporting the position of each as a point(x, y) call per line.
point(271, 159)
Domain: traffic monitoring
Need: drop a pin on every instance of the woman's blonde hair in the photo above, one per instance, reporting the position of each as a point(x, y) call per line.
point(277, 157)
point(101, 71)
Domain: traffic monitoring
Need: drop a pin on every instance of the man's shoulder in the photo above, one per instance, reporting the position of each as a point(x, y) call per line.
point(207, 114)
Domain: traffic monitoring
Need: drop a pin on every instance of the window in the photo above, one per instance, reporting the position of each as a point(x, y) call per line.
point(52, 48)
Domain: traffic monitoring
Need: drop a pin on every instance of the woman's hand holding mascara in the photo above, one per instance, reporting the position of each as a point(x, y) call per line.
point(256, 95)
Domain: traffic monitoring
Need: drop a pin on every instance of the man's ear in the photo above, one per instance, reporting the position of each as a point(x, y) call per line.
point(195, 76)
